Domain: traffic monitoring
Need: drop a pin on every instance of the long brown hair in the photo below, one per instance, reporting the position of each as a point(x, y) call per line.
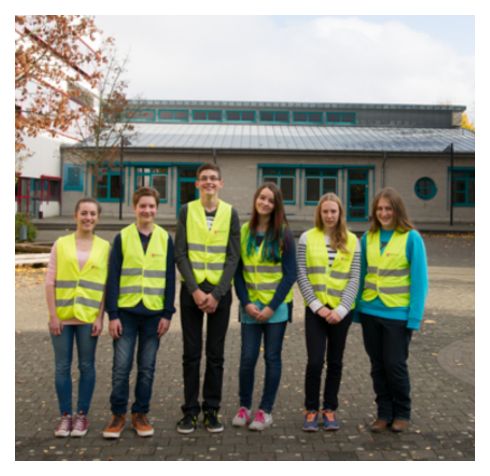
point(338, 239)
point(400, 215)
point(274, 236)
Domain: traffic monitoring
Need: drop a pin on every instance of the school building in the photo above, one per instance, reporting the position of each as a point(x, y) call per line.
point(307, 149)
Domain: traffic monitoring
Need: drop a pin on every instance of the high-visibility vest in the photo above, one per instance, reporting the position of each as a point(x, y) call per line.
point(261, 277)
point(388, 274)
point(207, 247)
point(328, 281)
point(79, 292)
point(143, 275)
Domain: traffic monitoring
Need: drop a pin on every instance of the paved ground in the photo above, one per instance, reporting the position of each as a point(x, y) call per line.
point(441, 366)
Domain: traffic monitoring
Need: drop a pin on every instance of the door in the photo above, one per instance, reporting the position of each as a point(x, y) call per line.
point(186, 188)
point(357, 195)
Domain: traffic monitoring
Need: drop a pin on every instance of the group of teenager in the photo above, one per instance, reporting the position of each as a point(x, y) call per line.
point(380, 281)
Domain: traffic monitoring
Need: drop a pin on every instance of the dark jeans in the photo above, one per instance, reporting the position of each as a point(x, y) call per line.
point(63, 356)
point(321, 336)
point(192, 325)
point(386, 342)
point(144, 330)
point(251, 339)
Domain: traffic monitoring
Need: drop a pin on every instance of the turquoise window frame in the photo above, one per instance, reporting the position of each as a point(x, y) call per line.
point(173, 112)
point(343, 122)
point(320, 174)
point(308, 120)
point(240, 113)
point(141, 119)
point(365, 182)
point(152, 174)
point(274, 115)
point(466, 180)
point(70, 186)
point(280, 173)
point(425, 188)
point(110, 173)
point(207, 112)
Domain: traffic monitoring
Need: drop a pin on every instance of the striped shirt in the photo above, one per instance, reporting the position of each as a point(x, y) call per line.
point(350, 292)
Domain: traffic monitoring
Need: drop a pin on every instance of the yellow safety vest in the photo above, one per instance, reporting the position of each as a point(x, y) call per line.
point(388, 274)
point(79, 292)
point(207, 247)
point(328, 281)
point(143, 274)
point(261, 277)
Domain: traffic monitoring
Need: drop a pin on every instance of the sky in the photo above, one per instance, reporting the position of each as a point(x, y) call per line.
point(375, 59)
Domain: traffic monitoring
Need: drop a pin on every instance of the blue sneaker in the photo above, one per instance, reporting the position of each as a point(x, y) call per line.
point(330, 422)
point(311, 421)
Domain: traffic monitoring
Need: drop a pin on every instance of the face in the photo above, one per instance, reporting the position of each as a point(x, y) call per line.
point(330, 214)
point(87, 216)
point(264, 204)
point(209, 183)
point(145, 210)
point(385, 214)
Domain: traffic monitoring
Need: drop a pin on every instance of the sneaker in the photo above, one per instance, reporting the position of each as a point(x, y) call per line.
point(188, 424)
point(242, 417)
point(64, 426)
point(310, 423)
point(330, 422)
point(80, 425)
point(115, 427)
point(211, 421)
point(141, 424)
point(261, 421)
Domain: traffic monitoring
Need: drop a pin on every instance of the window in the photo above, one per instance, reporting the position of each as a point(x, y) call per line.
point(73, 178)
point(207, 116)
point(341, 117)
point(240, 116)
point(285, 179)
point(318, 182)
point(156, 177)
point(425, 188)
point(140, 115)
point(173, 115)
point(463, 187)
point(108, 186)
point(306, 117)
point(281, 117)
point(50, 189)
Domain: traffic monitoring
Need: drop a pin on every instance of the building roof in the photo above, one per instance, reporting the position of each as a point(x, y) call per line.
point(298, 138)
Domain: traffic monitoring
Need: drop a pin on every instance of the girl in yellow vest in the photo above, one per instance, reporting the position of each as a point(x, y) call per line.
point(391, 305)
point(75, 283)
point(265, 275)
point(328, 278)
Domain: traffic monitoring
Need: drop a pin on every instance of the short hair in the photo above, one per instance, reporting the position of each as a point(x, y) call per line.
point(145, 192)
point(400, 215)
point(208, 166)
point(88, 200)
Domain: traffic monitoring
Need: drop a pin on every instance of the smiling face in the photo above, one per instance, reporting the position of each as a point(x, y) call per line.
point(330, 214)
point(209, 183)
point(86, 217)
point(145, 210)
point(385, 214)
point(265, 203)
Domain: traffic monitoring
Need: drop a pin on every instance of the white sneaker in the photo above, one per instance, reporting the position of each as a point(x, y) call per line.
point(261, 421)
point(242, 417)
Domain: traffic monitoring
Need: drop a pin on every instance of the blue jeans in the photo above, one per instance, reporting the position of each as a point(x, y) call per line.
point(144, 329)
point(63, 356)
point(251, 338)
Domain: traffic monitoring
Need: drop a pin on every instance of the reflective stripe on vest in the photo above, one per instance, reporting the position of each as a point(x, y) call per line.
point(328, 282)
point(143, 275)
point(79, 293)
point(261, 277)
point(388, 274)
point(207, 247)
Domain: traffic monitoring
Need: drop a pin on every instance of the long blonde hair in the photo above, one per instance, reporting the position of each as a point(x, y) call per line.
point(338, 239)
point(400, 215)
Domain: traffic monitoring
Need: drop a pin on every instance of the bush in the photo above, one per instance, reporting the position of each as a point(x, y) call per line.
point(20, 220)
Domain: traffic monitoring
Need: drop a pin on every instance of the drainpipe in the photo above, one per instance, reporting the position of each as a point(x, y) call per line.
point(451, 151)
point(385, 158)
point(214, 155)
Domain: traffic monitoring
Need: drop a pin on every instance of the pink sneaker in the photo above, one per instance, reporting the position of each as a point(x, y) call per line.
point(80, 425)
point(261, 421)
point(64, 427)
point(242, 417)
